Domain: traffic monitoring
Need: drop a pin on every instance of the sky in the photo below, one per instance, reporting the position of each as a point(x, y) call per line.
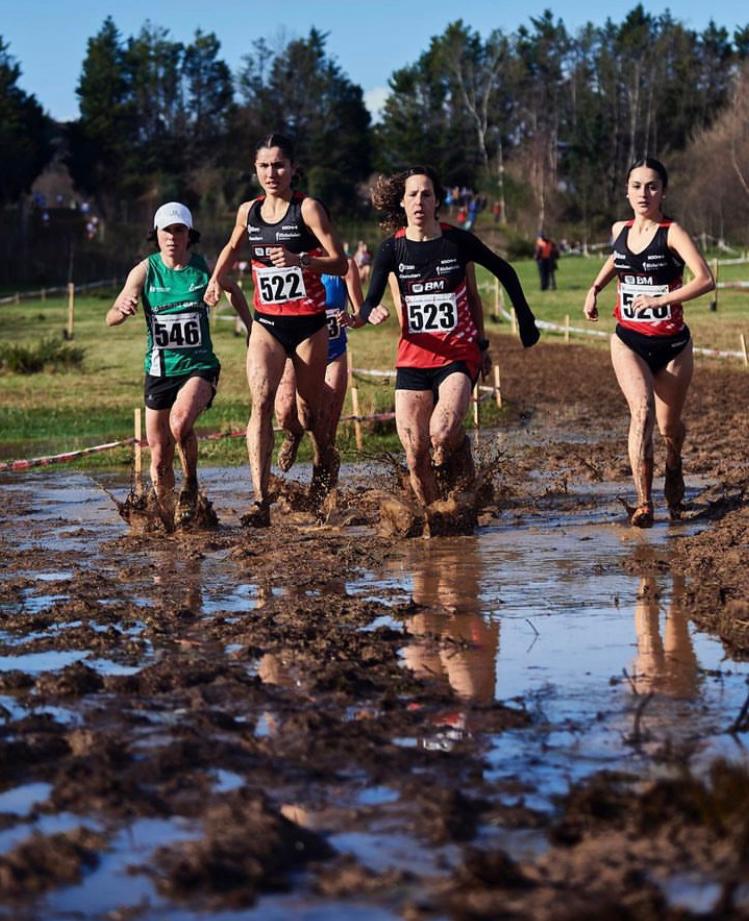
point(368, 40)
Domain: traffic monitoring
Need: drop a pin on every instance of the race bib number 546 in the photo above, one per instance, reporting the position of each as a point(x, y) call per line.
point(276, 286)
point(627, 294)
point(177, 331)
point(431, 313)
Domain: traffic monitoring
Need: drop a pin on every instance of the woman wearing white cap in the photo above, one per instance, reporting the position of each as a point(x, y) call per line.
point(181, 368)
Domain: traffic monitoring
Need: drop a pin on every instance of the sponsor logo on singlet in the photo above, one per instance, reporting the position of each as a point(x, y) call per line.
point(158, 289)
point(426, 287)
point(402, 267)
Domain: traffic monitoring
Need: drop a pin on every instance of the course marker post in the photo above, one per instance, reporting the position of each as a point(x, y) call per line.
point(71, 310)
point(354, 401)
point(742, 340)
point(567, 328)
point(137, 450)
point(475, 401)
point(497, 387)
point(513, 322)
point(713, 306)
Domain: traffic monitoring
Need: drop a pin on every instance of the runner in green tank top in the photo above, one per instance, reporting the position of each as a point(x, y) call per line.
point(181, 369)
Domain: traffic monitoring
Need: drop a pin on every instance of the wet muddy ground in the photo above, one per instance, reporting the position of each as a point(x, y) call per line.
point(543, 720)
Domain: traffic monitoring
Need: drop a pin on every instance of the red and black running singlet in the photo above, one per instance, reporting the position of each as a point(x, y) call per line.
point(291, 291)
point(654, 271)
point(436, 323)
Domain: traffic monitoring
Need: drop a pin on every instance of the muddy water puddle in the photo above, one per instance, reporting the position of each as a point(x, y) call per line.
point(202, 675)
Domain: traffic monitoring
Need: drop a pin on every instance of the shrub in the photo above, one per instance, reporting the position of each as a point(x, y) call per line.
point(47, 353)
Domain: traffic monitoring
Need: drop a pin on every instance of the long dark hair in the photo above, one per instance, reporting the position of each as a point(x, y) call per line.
point(653, 164)
point(388, 193)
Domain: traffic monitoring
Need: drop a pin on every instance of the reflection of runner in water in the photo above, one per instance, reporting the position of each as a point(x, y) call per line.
point(652, 348)
point(669, 665)
point(293, 244)
point(291, 412)
point(448, 589)
point(181, 369)
point(442, 341)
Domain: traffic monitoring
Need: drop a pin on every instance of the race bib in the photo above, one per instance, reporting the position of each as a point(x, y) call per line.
point(627, 294)
point(177, 331)
point(431, 313)
point(334, 327)
point(276, 286)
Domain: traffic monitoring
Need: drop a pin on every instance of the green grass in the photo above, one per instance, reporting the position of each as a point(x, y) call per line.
point(63, 408)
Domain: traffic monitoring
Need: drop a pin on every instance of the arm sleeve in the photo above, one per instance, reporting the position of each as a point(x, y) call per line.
point(384, 264)
point(476, 251)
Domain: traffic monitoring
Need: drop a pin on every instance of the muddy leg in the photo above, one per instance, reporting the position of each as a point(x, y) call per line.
point(288, 418)
point(413, 410)
point(636, 382)
point(266, 358)
point(310, 363)
point(671, 386)
point(191, 400)
point(451, 449)
point(161, 445)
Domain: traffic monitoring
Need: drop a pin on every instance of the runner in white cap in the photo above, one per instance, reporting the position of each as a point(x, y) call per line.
point(181, 368)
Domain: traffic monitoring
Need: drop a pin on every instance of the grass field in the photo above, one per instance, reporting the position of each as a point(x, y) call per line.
point(55, 411)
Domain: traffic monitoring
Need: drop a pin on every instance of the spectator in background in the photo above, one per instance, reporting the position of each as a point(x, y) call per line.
point(544, 256)
point(363, 260)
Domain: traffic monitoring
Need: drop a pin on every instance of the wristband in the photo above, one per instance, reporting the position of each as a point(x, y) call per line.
point(595, 289)
point(483, 345)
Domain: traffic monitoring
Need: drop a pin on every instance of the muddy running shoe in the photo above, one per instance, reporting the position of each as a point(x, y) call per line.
point(258, 516)
point(457, 472)
point(673, 489)
point(642, 516)
point(288, 450)
point(325, 477)
point(187, 506)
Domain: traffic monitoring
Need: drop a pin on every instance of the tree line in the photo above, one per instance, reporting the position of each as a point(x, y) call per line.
point(541, 120)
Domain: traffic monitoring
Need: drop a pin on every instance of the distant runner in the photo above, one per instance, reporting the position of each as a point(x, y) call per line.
point(290, 411)
point(651, 349)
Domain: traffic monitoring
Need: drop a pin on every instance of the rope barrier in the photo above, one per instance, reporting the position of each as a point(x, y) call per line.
point(62, 458)
point(61, 289)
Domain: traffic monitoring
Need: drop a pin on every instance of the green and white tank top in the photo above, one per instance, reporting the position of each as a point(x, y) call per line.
point(179, 337)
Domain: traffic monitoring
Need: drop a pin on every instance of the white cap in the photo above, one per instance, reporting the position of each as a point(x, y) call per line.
point(172, 213)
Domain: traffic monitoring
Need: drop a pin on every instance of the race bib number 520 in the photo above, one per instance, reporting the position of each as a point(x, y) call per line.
point(177, 331)
point(627, 294)
point(276, 286)
point(431, 313)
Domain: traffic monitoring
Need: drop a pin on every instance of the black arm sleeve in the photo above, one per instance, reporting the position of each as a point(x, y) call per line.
point(476, 251)
point(384, 264)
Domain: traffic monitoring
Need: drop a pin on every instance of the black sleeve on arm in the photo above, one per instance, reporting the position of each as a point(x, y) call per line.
point(382, 267)
point(476, 251)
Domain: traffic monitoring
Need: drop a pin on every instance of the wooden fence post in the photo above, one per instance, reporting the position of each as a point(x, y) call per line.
point(71, 310)
point(354, 401)
point(497, 387)
point(567, 328)
point(742, 340)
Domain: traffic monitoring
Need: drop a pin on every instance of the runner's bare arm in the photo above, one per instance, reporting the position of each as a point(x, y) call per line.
point(126, 303)
point(238, 302)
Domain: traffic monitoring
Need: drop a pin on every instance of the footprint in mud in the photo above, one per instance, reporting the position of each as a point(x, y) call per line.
point(145, 514)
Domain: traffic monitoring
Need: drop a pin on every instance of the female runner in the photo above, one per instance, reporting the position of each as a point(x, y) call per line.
point(181, 369)
point(290, 411)
point(651, 349)
point(441, 344)
point(292, 244)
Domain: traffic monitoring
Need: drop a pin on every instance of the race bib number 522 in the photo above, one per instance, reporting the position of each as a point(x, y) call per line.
point(431, 313)
point(627, 294)
point(276, 286)
point(177, 331)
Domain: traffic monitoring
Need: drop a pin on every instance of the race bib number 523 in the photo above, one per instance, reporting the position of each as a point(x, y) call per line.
point(276, 286)
point(177, 331)
point(627, 294)
point(431, 313)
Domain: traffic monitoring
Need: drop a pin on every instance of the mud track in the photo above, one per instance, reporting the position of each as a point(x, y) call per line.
point(240, 744)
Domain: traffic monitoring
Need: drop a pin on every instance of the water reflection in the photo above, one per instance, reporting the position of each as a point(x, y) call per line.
point(446, 583)
point(664, 664)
